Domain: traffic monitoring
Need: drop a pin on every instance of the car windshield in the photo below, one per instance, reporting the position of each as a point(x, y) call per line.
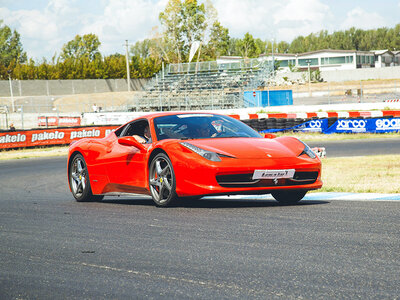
point(201, 126)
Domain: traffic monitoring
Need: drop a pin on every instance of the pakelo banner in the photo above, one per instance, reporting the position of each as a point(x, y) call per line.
point(41, 137)
point(59, 121)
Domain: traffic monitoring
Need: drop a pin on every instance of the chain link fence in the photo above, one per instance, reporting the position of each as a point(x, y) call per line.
point(23, 112)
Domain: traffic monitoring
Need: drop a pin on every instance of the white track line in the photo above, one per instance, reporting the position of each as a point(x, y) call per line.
point(319, 196)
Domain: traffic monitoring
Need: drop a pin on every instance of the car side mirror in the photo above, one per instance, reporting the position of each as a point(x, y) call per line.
point(130, 141)
point(270, 136)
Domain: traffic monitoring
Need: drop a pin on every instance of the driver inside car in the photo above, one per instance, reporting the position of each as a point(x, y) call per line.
point(146, 137)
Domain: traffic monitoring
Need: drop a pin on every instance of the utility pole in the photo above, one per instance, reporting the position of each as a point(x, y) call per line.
point(128, 73)
point(11, 91)
point(273, 60)
point(308, 61)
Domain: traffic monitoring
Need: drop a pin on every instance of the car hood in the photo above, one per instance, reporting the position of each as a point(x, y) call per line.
point(247, 148)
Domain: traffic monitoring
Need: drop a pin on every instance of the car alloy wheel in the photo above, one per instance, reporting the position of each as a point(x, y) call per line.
point(162, 180)
point(79, 181)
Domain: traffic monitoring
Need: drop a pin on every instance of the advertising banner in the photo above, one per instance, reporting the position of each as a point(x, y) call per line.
point(376, 125)
point(318, 125)
point(379, 125)
point(41, 137)
point(58, 121)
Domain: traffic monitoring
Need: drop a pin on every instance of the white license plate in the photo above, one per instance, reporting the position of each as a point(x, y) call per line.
point(273, 174)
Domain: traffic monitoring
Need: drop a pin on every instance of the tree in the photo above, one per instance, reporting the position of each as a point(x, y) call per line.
point(193, 24)
point(183, 22)
point(82, 46)
point(283, 47)
point(170, 20)
point(11, 51)
point(142, 48)
point(247, 46)
point(218, 45)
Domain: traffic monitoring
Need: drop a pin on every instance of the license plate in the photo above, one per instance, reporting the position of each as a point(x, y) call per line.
point(273, 174)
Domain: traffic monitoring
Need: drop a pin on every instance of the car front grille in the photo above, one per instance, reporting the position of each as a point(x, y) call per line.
point(245, 180)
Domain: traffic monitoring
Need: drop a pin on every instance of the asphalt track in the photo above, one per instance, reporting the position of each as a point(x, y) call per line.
point(52, 247)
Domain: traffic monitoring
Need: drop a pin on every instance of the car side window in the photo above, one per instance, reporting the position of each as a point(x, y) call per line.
point(138, 129)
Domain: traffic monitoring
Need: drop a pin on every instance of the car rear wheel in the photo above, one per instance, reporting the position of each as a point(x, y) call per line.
point(79, 181)
point(289, 197)
point(162, 180)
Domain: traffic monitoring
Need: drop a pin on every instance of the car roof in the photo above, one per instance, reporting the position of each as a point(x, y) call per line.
point(152, 116)
point(171, 113)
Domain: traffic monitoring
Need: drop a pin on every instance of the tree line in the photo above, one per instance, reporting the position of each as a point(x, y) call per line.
point(182, 23)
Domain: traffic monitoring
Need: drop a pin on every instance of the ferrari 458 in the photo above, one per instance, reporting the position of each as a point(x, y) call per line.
point(171, 156)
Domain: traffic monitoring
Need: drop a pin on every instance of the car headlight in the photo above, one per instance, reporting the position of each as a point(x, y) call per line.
point(204, 153)
point(307, 150)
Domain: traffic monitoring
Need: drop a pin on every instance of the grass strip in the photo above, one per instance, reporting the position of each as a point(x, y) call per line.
point(361, 174)
point(34, 152)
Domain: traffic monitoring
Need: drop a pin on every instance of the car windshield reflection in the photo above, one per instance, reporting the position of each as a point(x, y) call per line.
point(201, 126)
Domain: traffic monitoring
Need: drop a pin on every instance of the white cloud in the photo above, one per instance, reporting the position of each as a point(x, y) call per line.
point(252, 16)
point(43, 32)
point(48, 24)
point(301, 18)
point(281, 20)
point(124, 19)
point(359, 18)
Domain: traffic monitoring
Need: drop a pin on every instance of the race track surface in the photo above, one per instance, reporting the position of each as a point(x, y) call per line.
point(376, 146)
point(52, 247)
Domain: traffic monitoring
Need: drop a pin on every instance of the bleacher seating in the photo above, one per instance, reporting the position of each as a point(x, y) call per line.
point(204, 85)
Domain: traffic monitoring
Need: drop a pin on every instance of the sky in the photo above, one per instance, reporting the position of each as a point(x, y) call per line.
point(46, 25)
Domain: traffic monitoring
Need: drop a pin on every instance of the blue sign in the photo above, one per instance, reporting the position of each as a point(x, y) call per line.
point(317, 125)
point(379, 125)
point(365, 125)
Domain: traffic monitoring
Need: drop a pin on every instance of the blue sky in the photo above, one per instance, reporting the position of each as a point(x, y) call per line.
point(45, 26)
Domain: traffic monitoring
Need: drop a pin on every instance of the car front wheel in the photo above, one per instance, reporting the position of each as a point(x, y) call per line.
point(289, 197)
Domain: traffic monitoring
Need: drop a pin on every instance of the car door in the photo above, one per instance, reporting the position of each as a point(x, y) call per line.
point(126, 165)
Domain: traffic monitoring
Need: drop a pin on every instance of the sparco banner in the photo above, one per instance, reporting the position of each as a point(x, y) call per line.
point(17, 139)
point(378, 125)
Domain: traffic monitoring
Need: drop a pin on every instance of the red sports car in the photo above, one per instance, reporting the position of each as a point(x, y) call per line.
point(176, 155)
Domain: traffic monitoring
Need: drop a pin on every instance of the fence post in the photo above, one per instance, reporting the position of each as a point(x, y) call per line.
point(22, 116)
point(329, 92)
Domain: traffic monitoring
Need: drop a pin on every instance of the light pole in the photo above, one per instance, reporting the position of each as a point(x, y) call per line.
point(11, 91)
point(128, 74)
point(308, 61)
point(273, 61)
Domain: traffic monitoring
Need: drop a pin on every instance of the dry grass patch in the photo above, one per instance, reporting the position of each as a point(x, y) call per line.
point(34, 152)
point(362, 174)
point(315, 136)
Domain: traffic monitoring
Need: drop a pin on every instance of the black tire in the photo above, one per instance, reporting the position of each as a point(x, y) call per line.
point(190, 199)
point(79, 181)
point(287, 197)
point(162, 181)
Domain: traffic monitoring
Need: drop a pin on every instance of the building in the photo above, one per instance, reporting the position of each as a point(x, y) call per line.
point(328, 59)
point(325, 60)
point(386, 58)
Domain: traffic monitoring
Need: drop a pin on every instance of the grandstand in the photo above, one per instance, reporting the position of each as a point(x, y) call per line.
point(203, 85)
